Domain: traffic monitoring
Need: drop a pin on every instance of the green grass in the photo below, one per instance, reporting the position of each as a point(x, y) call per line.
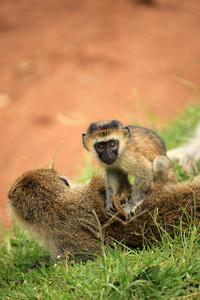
point(170, 269)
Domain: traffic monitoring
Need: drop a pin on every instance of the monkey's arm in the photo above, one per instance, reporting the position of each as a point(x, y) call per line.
point(112, 186)
point(116, 180)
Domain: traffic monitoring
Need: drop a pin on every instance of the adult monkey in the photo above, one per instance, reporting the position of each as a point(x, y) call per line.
point(73, 219)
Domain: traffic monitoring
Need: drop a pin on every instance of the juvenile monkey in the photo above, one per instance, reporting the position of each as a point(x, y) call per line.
point(123, 150)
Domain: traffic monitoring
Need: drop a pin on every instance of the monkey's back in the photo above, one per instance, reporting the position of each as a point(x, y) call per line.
point(146, 143)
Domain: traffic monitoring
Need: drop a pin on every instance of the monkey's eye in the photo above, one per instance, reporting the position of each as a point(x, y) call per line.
point(112, 144)
point(100, 146)
point(64, 179)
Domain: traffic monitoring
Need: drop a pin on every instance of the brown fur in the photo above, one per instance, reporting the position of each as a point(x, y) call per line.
point(73, 220)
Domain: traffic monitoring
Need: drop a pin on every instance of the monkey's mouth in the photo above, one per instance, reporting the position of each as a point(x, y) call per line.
point(109, 161)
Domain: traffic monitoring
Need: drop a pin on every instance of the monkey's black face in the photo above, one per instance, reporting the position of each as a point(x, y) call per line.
point(107, 151)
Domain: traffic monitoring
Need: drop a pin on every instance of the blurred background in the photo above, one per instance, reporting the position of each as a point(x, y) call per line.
point(67, 63)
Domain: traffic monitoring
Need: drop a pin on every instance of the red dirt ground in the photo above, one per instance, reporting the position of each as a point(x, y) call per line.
point(67, 63)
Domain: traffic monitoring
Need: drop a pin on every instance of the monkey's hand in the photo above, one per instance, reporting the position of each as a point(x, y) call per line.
point(110, 208)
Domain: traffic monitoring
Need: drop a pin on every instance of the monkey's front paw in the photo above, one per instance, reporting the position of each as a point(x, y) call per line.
point(132, 208)
point(129, 208)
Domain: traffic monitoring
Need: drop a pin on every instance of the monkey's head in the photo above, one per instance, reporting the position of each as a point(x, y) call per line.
point(106, 140)
point(35, 193)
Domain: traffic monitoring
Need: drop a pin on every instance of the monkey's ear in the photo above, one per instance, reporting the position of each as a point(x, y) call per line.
point(64, 179)
point(84, 134)
point(126, 131)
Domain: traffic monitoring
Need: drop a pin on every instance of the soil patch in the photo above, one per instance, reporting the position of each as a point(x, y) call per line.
point(67, 63)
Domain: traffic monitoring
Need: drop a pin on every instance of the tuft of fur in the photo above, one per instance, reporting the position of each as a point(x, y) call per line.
point(104, 125)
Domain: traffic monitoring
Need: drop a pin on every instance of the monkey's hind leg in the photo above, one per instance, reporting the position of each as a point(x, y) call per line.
point(137, 197)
